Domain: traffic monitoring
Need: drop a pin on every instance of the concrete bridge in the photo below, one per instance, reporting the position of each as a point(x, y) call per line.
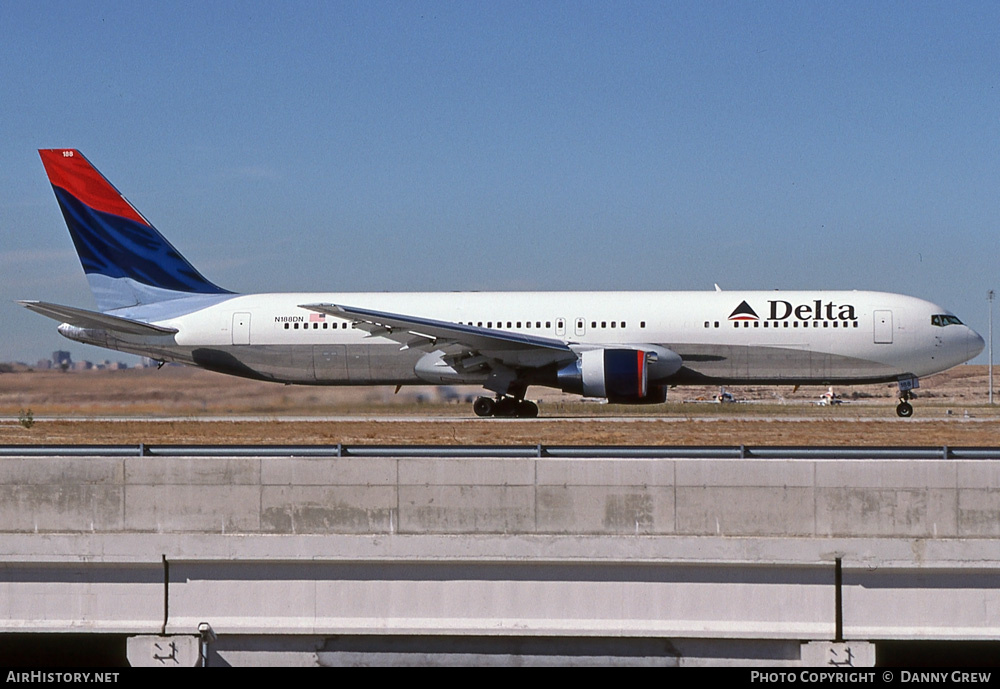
point(341, 555)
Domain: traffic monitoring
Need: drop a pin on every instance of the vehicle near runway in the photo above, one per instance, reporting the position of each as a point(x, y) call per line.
point(724, 397)
point(829, 398)
point(626, 347)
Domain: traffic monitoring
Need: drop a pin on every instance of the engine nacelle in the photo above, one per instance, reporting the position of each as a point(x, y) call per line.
point(620, 375)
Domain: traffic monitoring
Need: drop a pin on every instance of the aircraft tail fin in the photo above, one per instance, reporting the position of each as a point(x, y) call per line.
point(126, 260)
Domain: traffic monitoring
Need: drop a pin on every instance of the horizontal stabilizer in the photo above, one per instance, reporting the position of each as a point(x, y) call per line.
point(82, 318)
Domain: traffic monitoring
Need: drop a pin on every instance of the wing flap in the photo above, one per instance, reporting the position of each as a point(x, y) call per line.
point(82, 318)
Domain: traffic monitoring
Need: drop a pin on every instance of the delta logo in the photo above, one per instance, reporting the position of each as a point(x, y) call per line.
point(780, 310)
point(744, 312)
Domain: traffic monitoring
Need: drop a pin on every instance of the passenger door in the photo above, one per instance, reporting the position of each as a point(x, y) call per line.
point(883, 327)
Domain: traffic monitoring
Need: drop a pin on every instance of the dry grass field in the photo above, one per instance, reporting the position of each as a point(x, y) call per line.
point(190, 406)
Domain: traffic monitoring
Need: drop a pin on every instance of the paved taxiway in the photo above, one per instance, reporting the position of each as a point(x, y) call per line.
point(379, 418)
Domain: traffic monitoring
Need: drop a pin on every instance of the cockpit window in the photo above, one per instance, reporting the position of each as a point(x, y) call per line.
point(943, 319)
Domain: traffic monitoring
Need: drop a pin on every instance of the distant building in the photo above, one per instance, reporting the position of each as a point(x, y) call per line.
point(62, 360)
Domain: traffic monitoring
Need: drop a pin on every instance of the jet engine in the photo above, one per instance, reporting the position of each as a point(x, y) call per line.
point(624, 376)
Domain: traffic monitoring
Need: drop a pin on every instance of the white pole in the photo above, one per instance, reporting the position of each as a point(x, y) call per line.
point(989, 296)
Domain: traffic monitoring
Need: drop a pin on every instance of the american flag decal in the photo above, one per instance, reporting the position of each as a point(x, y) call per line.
point(317, 317)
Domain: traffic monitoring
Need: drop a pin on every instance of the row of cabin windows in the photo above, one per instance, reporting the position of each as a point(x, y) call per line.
point(510, 324)
point(795, 324)
point(305, 326)
point(548, 324)
point(489, 324)
point(605, 324)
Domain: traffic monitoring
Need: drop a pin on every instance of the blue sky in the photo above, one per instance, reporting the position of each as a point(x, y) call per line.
point(512, 145)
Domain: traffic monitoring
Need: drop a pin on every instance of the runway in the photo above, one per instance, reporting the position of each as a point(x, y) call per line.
point(763, 429)
point(412, 418)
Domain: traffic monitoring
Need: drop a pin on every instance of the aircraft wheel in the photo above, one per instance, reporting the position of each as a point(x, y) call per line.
point(484, 406)
point(527, 410)
point(904, 409)
point(506, 407)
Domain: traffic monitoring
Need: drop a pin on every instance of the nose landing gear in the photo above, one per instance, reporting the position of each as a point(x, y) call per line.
point(906, 385)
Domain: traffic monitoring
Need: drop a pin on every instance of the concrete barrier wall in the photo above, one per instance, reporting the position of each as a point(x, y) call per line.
point(674, 548)
point(701, 497)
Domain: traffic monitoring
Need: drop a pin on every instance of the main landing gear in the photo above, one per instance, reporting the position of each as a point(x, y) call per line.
point(906, 386)
point(505, 406)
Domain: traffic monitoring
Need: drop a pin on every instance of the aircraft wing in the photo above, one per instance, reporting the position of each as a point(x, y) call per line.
point(512, 349)
point(82, 318)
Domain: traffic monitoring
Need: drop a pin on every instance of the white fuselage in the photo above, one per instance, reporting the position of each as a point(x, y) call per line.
point(734, 337)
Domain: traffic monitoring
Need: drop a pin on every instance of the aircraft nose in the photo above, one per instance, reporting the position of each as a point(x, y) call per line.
point(974, 343)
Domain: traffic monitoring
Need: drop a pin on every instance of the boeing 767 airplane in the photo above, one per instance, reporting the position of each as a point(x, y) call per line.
point(627, 347)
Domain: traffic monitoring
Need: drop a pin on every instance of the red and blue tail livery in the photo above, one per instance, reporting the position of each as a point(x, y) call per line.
point(126, 260)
